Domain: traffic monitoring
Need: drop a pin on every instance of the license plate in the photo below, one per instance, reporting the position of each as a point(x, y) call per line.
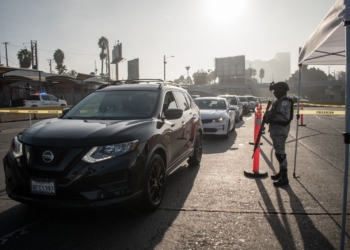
point(43, 187)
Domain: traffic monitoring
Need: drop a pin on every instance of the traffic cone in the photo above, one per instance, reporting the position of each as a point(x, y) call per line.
point(302, 116)
point(256, 172)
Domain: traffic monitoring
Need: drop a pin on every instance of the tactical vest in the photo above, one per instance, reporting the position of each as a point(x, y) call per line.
point(274, 109)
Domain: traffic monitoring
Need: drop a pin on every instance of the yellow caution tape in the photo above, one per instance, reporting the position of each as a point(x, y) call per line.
point(320, 112)
point(31, 111)
point(324, 105)
point(316, 112)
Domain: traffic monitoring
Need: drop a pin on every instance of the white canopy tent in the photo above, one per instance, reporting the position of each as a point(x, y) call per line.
point(330, 45)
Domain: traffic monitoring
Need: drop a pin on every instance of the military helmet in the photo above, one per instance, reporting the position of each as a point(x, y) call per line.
point(280, 86)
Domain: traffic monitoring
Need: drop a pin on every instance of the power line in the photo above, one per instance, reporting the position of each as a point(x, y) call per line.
point(21, 46)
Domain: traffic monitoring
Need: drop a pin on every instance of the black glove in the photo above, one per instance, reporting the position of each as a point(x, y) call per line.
point(267, 118)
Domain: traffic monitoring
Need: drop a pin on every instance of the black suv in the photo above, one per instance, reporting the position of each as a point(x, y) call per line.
point(115, 147)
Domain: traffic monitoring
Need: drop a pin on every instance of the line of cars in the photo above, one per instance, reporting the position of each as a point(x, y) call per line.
point(220, 114)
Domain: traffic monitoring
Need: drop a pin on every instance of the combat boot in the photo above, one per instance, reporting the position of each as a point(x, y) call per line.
point(275, 177)
point(283, 180)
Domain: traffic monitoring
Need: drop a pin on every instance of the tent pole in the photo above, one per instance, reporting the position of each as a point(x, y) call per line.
point(298, 116)
point(346, 134)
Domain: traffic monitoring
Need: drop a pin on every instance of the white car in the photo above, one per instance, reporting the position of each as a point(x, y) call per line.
point(218, 117)
point(253, 101)
point(234, 101)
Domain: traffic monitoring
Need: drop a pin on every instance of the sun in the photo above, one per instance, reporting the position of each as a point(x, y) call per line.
point(223, 11)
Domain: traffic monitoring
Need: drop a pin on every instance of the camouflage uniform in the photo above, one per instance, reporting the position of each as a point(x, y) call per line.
point(279, 118)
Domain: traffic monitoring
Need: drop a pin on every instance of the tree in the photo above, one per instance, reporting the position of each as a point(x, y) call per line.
point(25, 58)
point(102, 57)
point(72, 72)
point(308, 75)
point(103, 44)
point(262, 74)
point(61, 69)
point(253, 72)
point(200, 77)
point(58, 56)
point(211, 76)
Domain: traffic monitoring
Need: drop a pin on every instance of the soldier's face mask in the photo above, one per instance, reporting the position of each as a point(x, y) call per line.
point(279, 94)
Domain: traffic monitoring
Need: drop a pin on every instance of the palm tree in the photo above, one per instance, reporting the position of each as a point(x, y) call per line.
point(103, 44)
point(262, 74)
point(25, 58)
point(61, 69)
point(58, 56)
point(72, 72)
point(102, 57)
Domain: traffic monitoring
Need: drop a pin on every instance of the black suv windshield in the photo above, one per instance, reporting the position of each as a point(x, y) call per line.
point(115, 105)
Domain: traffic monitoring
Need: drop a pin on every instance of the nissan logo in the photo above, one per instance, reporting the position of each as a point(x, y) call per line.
point(48, 156)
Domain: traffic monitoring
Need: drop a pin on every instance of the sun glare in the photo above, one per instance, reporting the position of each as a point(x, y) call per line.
point(223, 11)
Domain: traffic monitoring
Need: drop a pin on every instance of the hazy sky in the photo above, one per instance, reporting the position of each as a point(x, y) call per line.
point(194, 31)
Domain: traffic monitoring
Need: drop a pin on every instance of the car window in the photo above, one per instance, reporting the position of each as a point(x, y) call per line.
point(169, 101)
point(34, 98)
point(111, 105)
point(45, 98)
point(52, 98)
point(211, 104)
point(181, 100)
point(233, 101)
point(188, 99)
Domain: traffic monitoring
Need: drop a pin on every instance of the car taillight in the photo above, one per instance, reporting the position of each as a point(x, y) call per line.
point(24, 102)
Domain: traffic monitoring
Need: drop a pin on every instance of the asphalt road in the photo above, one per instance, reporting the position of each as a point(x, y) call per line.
point(213, 206)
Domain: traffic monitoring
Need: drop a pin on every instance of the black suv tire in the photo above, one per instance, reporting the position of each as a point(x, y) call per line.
point(154, 185)
point(195, 160)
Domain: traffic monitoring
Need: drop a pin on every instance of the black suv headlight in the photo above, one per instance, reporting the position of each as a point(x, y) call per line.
point(16, 147)
point(97, 154)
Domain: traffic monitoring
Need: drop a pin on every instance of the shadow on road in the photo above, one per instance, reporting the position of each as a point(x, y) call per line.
point(111, 229)
point(280, 222)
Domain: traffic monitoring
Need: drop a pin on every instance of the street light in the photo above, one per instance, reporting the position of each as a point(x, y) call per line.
point(165, 63)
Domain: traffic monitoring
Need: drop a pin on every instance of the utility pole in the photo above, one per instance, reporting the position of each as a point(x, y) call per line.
point(165, 64)
point(49, 60)
point(7, 62)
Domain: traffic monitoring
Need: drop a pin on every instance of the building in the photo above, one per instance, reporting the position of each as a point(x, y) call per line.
point(276, 69)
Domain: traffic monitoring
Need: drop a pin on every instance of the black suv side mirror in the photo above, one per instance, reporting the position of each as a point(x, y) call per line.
point(65, 110)
point(172, 114)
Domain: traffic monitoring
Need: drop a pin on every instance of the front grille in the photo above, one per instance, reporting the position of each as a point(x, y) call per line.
point(37, 156)
point(64, 195)
point(210, 130)
point(207, 121)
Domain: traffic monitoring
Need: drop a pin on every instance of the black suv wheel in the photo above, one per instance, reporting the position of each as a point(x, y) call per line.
point(195, 160)
point(153, 190)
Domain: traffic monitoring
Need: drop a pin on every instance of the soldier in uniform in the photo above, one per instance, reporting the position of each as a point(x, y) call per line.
point(279, 117)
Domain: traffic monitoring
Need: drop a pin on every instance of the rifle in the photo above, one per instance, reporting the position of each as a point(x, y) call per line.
point(262, 128)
